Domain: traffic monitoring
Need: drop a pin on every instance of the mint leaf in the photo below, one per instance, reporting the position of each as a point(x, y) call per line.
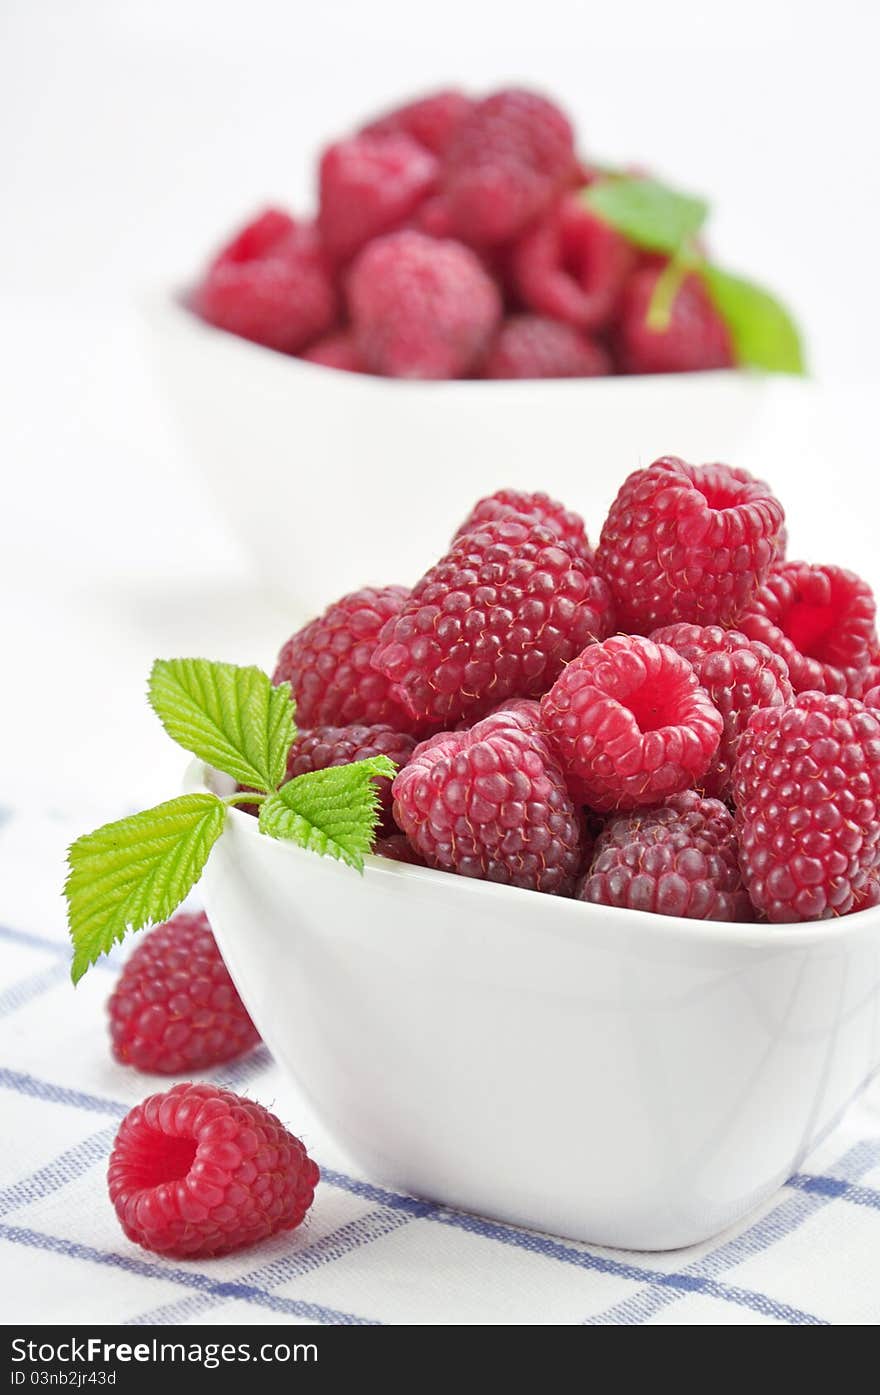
point(136, 872)
point(648, 213)
point(333, 811)
point(232, 717)
point(764, 333)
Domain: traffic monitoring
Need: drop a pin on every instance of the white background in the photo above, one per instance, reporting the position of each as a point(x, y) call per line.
point(135, 134)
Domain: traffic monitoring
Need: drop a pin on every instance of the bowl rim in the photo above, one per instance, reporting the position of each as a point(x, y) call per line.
point(173, 304)
point(793, 936)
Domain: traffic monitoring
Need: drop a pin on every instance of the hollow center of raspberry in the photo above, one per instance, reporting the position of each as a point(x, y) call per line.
point(654, 707)
point(812, 629)
point(163, 1158)
point(719, 496)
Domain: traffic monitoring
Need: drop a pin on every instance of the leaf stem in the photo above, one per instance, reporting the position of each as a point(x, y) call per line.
point(245, 797)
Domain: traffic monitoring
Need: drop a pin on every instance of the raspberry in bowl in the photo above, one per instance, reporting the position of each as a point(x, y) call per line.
point(468, 290)
point(616, 972)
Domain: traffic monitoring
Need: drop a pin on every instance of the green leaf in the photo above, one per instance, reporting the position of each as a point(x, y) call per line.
point(764, 333)
point(648, 213)
point(333, 811)
point(232, 717)
point(136, 872)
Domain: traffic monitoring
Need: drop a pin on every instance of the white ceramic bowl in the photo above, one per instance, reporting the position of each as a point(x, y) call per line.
point(613, 1076)
point(335, 480)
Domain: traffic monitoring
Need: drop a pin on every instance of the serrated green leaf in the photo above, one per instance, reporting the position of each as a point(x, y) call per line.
point(232, 717)
point(763, 331)
point(648, 213)
point(332, 812)
point(135, 873)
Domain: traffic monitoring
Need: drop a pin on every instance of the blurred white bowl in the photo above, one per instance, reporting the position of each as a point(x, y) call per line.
point(617, 1077)
point(335, 480)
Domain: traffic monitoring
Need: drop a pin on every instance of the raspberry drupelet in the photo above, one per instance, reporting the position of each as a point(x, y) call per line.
point(739, 675)
point(370, 185)
point(493, 803)
point(496, 618)
point(821, 620)
point(199, 1171)
point(807, 790)
point(422, 308)
point(688, 543)
point(696, 337)
point(327, 664)
point(508, 159)
point(532, 346)
point(536, 505)
point(271, 284)
point(174, 1007)
point(676, 859)
point(572, 266)
point(322, 747)
point(631, 723)
point(431, 120)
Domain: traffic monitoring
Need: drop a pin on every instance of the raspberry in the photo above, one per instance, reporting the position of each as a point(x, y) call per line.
point(528, 346)
point(325, 746)
point(872, 696)
point(271, 284)
point(368, 186)
point(336, 351)
point(572, 266)
point(631, 723)
point(421, 308)
point(821, 620)
point(506, 162)
point(198, 1171)
point(807, 791)
point(695, 338)
point(678, 859)
point(174, 1007)
point(688, 542)
point(398, 848)
point(497, 617)
point(739, 675)
point(538, 507)
point(492, 803)
point(327, 664)
point(432, 121)
point(432, 217)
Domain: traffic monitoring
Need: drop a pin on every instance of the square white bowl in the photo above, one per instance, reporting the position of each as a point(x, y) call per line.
point(337, 480)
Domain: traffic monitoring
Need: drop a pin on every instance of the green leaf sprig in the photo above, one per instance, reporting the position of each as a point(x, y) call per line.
point(134, 873)
point(661, 219)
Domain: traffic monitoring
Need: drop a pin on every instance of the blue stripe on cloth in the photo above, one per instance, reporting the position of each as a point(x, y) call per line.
point(837, 1189)
point(67, 1167)
point(335, 1245)
point(25, 1084)
point(784, 1218)
point(188, 1278)
point(34, 986)
point(32, 941)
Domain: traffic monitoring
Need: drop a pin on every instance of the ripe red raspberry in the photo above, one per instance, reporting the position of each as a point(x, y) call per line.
point(496, 618)
point(807, 791)
point(432, 217)
point(572, 266)
point(695, 338)
point(872, 696)
point(677, 859)
point(630, 723)
point(369, 186)
point(421, 308)
point(493, 803)
point(327, 663)
point(336, 351)
point(325, 746)
point(174, 1007)
point(432, 120)
point(538, 507)
point(739, 674)
point(506, 162)
point(198, 1171)
point(271, 284)
point(688, 542)
point(529, 346)
point(821, 620)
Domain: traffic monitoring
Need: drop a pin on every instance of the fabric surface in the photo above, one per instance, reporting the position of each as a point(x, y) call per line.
point(365, 1255)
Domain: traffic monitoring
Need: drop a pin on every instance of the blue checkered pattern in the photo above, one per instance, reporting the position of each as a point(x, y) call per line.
point(366, 1254)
